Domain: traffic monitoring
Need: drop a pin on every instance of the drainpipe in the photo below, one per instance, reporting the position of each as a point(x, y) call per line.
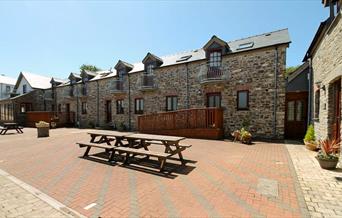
point(97, 104)
point(275, 93)
point(77, 107)
point(187, 87)
point(129, 103)
point(309, 120)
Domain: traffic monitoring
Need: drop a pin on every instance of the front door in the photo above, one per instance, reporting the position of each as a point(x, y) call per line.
point(67, 110)
point(296, 115)
point(336, 119)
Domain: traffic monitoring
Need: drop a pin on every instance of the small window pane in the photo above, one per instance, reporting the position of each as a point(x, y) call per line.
point(299, 111)
point(290, 110)
point(243, 100)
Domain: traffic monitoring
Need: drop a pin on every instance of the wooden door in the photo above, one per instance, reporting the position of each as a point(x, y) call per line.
point(336, 119)
point(296, 115)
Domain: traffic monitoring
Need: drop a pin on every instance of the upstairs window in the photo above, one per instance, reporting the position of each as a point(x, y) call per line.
point(243, 100)
point(149, 69)
point(171, 103)
point(8, 89)
point(215, 59)
point(24, 88)
point(139, 106)
point(84, 89)
point(119, 107)
point(214, 99)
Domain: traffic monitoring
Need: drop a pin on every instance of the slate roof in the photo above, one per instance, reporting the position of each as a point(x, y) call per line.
point(259, 41)
point(7, 80)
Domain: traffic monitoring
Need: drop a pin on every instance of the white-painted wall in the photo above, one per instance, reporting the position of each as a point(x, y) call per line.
point(20, 87)
point(3, 93)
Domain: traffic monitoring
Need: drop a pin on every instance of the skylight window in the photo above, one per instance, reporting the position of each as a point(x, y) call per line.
point(246, 45)
point(184, 58)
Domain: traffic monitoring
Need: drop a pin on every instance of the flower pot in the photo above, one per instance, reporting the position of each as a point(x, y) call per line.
point(327, 164)
point(43, 131)
point(312, 146)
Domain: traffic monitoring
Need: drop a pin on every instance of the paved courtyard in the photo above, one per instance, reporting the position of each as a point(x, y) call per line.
point(221, 178)
point(322, 189)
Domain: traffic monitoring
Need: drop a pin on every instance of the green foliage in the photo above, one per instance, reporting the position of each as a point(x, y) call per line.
point(89, 67)
point(245, 136)
point(310, 134)
point(330, 149)
point(291, 69)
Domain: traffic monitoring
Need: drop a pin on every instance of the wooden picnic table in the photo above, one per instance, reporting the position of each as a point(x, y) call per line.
point(106, 136)
point(10, 126)
point(171, 143)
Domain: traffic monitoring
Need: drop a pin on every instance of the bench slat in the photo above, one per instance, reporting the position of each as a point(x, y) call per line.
point(89, 144)
point(142, 151)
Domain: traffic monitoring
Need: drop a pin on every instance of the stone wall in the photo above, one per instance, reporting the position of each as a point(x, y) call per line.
point(252, 70)
point(327, 68)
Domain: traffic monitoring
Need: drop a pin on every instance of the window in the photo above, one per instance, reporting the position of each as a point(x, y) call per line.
point(245, 45)
point(84, 107)
point(24, 107)
point(109, 111)
point(119, 107)
point(184, 58)
point(52, 107)
point(215, 59)
point(139, 106)
point(171, 103)
point(317, 103)
point(149, 69)
point(24, 88)
point(214, 99)
point(71, 91)
point(59, 108)
point(84, 89)
point(243, 100)
point(295, 111)
point(8, 89)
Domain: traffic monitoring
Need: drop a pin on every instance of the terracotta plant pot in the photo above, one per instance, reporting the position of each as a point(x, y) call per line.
point(327, 164)
point(312, 146)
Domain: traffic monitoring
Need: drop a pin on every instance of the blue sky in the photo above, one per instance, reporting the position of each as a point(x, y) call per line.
point(54, 38)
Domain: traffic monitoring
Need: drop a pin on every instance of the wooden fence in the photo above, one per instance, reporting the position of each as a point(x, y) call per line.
point(196, 123)
point(62, 119)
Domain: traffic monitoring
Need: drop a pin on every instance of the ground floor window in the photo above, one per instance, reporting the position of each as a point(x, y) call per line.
point(24, 107)
point(214, 99)
point(84, 107)
point(171, 103)
point(295, 111)
point(139, 106)
point(317, 103)
point(59, 108)
point(243, 100)
point(119, 107)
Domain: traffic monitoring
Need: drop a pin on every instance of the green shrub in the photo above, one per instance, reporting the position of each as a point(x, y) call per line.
point(310, 134)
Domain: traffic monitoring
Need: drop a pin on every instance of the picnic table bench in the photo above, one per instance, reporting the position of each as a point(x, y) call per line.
point(107, 137)
point(89, 145)
point(10, 126)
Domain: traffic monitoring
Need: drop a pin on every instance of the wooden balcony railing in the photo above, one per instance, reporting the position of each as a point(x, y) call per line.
point(184, 123)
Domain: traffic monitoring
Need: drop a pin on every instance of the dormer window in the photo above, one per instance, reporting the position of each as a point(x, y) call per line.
point(121, 74)
point(215, 59)
point(149, 69)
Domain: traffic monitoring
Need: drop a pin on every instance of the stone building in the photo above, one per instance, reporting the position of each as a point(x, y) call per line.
point(6, 86)
point(325, 64)
point(245, 77)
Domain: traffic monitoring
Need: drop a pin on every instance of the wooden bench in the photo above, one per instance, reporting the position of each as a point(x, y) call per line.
point(89, 145)
point(161, 156)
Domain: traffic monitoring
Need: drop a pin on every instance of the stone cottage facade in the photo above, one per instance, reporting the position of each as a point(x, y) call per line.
point(245, 77)
point(325, 58)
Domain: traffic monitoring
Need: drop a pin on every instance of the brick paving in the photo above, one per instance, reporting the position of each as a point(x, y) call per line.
point(322, 189)
point(221, 178)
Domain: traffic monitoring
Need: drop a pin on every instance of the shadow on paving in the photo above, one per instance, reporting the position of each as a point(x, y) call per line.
point(145, 165)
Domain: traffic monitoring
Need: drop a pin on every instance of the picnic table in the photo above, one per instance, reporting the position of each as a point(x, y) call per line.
point(10, 126)
point(171, 143)
point(107, 137)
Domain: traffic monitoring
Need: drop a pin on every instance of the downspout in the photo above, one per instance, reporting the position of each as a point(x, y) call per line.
point(77, 108)
point(309, 120)
point(187, 87)
point(98, 104)
point(129, 103)
point(275, 100)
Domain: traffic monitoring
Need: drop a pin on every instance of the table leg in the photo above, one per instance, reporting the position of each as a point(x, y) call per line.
point(92, 138)
point(86, 152)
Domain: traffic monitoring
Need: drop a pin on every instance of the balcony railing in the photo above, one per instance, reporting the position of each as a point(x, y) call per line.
point(148, 82)
point(212, 74)
point(118, 86)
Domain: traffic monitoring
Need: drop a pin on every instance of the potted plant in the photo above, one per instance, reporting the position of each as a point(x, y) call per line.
point(245, 136)
point(310, 139)
point(43, 129)
point(329, 154)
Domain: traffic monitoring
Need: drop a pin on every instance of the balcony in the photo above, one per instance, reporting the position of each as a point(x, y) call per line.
point(148, 82)
point(118, 86)
point(209, 74)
